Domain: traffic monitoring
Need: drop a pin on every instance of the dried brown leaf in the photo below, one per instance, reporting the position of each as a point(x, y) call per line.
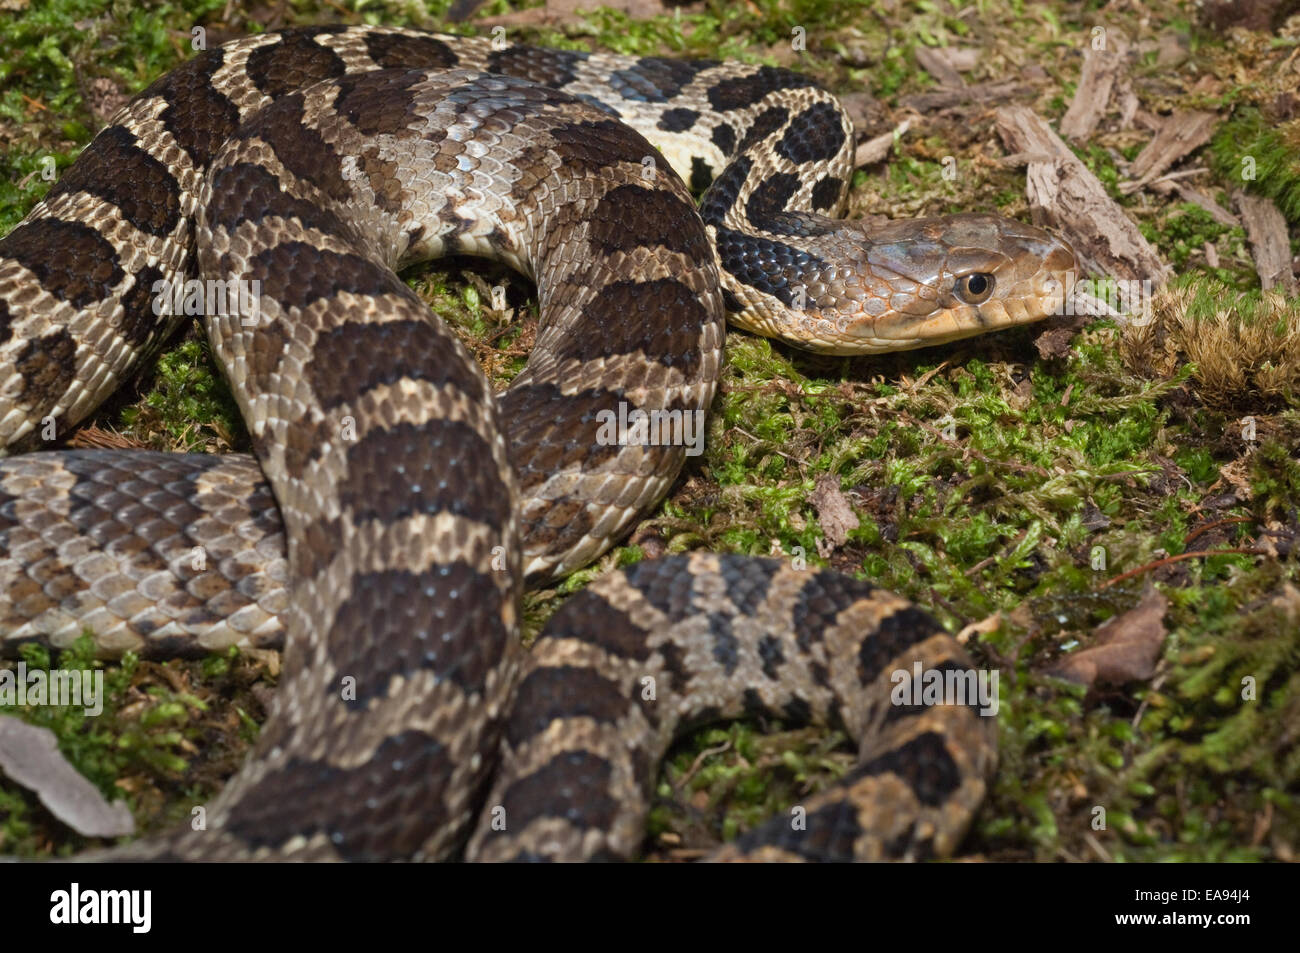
point(30, 756)
point(1124, 648)
point(834, 514)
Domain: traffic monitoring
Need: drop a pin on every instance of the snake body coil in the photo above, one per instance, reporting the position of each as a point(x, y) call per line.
point(310, 165)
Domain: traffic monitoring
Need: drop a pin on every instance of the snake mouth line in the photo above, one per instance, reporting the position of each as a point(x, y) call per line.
point(1033, 280)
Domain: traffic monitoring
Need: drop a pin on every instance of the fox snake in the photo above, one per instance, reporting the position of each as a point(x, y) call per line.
point(403, 505)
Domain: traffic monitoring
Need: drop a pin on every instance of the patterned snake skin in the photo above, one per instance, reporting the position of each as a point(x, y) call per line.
point(396, 506)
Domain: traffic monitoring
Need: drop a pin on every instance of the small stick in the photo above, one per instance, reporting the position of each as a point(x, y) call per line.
point(1243, 550)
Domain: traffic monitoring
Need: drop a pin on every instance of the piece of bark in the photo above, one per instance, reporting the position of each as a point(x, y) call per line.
point(1248, 14)
point(961, 58)
point(1166, 183)
point(978, 93)
point(462, 10)
point(557, 12)
point(1123, 649)
point(875, 149)
point(1054, 343)
point(1266, 229)
point(30, 756)
point(1173, 49)
point(1101, 68)
point(866, 112)
point(1189, 194)
point(1181, 133)
point(937, 65)
point(1129, 104)
point(1063, 194)
point(834, 515)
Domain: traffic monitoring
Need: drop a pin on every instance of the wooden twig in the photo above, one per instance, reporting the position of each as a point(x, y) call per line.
point(1181, 133)
point(1209, 526)
point(978, 93)
point(1065, 195)
point(1100, 70)
point(1239, 550)
point(1269, 243)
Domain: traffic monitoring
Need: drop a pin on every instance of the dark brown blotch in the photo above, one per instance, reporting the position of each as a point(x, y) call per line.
point(438, 466)
point(139, 324)
point(299, 147)
point(549, 430)
point(661, 319)
point(923, 763)
point(296, 61)
point(747, 580)
point(48, 366)
point(296, 274)
point(563, 692)
point(655, 79)
point(724, 137)
point(446, 620)
point(589, 618)
point(741, 92)
point(378, 103)
point(768, 121)
point(897, 712)
point(815, 135)
point(388, 813)
point(629, 217)
point(114, 168)
point(726, 647)
point(595, 145)
point(828, 835)
point(677, 120)
point(826, 193)
point(770, 651)
point(264, 359)
point(245, 192)
point(895, 634)
point(197, 115)
point(345, 361)
point(821, 600)
point(666, 584)
point(573, 786)
point(769, 197)
point(553, 68)
point(400, 51)
point(71, 261)
point(315, 547)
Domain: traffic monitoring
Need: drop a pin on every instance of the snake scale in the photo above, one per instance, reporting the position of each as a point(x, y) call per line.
point(396, 507)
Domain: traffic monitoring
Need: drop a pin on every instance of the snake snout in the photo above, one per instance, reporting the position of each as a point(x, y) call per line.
point(961, 275)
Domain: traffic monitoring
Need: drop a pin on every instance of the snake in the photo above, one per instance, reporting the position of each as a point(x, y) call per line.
point(395, 507)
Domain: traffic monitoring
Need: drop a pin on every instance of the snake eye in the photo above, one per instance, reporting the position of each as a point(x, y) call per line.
point(976, 288)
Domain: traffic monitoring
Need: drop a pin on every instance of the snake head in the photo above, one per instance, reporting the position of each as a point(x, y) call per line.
point(927, 281)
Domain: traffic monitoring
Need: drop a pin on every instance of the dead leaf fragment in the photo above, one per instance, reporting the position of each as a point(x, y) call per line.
point(1124, 648)
point(834, 515)
point(30, 756)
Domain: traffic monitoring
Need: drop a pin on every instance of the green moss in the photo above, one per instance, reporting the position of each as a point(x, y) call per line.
point(1253, 152)
point(1185, 229)
point(189, 401)
point(133, 733)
